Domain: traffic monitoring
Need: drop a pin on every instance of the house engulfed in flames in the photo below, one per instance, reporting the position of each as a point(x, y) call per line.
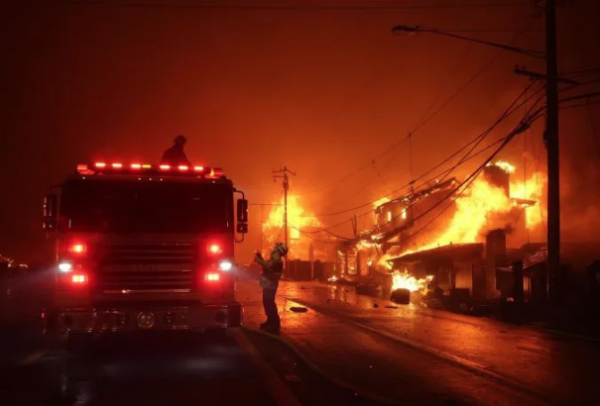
point(455, 241)
point(305, 244)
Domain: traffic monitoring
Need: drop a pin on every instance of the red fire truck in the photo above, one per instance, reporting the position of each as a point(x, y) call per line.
point(144, 247)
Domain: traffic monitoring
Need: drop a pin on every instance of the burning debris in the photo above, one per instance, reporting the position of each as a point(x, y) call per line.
point(403, 284)
point(405, 281)
point(333, 279)
point(401, 296)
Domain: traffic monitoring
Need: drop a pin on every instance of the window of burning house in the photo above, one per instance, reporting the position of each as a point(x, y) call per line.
point(395, 212)
point(352, 262)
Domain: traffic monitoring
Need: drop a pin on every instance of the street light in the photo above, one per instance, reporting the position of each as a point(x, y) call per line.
point(550, 136)
point(414, 29)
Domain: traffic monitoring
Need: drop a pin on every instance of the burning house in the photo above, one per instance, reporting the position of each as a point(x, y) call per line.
point(309, 257)
point(456, 241)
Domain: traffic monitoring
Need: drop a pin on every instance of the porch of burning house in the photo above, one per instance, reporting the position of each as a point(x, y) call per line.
point(481, 272)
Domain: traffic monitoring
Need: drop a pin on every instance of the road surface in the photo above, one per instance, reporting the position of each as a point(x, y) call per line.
point(343, 350)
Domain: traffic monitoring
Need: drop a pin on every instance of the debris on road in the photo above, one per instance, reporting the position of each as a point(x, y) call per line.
point(401, 296)
point(391, 307)
point(375, 305)
point(297, 309)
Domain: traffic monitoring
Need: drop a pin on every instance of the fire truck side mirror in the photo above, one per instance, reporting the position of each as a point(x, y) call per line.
point(50, 212)
point(242, 211)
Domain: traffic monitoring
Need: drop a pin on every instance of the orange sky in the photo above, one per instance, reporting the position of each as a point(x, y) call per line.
point(321, 91)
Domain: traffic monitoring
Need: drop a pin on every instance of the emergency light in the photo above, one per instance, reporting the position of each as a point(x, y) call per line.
point(117, 168)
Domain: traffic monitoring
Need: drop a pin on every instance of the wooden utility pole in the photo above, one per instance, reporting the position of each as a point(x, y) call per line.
point(283, 174)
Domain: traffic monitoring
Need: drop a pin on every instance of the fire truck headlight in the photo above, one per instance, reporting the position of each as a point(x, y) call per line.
point(225, 265)
point(65, 267)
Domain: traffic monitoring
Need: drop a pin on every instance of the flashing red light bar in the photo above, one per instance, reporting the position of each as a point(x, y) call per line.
point(137, 168)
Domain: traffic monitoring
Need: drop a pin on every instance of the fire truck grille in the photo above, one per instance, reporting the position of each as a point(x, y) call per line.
point(148, 267)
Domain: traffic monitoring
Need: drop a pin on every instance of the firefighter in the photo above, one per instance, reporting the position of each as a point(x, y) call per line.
point(269, 282)
point(175, 155)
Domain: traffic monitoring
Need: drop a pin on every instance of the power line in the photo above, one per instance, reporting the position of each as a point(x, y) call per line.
point(507, 112)
point(467, 182)
point(428, 118)
point(522, 127)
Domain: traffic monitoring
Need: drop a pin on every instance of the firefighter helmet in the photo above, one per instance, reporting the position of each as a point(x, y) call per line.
point(180, 140)
point(281, 248)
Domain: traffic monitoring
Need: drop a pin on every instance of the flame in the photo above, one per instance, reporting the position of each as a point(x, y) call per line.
point(483, 205)
point(473, 210)
point(405, 281)
point(381, 201)
point(365, 244)
point(298, 219)
point(531, 189)
point(332, 279)
point(505, 166)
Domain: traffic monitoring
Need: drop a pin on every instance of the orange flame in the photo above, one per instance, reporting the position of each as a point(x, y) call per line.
point(298, 219)
point(405, 281)
point(531, 189)
point(482, 203)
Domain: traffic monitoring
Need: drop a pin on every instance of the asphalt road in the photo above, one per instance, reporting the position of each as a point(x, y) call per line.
point(342, 334)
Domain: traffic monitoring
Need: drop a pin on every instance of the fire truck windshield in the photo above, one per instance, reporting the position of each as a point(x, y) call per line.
point(97, 205)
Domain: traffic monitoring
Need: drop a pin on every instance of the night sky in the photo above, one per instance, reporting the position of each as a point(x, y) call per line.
point(321, 90)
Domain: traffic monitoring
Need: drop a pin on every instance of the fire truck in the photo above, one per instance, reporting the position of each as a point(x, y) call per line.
point(143, 247)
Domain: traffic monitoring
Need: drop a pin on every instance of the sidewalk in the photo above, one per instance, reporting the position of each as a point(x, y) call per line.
point(375, 364)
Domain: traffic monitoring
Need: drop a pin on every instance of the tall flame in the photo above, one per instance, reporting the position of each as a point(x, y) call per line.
point(298, 219)
point(483, 205)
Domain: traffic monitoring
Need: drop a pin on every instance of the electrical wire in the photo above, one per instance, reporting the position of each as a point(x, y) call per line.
point(523, 126)
point(509, 111)
point(426, 120)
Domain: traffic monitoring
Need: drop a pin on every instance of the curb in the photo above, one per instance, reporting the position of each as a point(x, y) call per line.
point(459, 361)
point(329, 377)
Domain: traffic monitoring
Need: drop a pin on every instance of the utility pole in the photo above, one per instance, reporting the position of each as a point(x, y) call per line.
point(283, 174)
point(552, 146)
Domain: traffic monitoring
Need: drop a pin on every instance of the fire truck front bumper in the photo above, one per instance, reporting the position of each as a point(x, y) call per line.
point(140, 318)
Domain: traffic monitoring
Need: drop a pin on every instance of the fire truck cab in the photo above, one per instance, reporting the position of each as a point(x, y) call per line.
point(144, 247)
